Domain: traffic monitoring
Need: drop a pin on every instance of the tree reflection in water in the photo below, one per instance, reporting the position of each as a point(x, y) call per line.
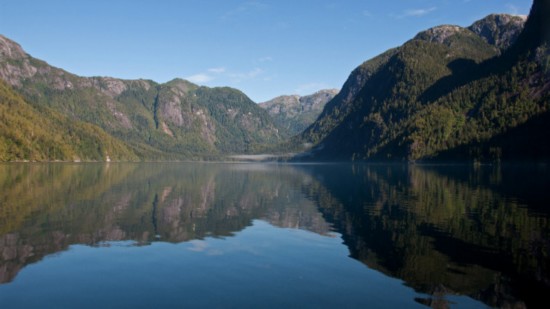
point(444, 230)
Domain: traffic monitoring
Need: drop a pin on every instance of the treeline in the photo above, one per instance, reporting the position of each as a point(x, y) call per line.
point(31, 134)
point(446, 94)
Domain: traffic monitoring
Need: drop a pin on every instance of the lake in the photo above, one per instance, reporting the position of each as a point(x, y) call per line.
point(145, 235)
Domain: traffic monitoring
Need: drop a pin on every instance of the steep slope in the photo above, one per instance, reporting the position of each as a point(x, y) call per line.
point(499, 30)
point(160, 121)
point(342, 104)
point(389, 90)
point(295, 113)
point(28, 133)
point(442, 89)
point(228, 119)
point(500, 108)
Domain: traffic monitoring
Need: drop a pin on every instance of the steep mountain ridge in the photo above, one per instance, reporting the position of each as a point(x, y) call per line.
point(446, 87)
point(341, 106)
point(295, 113)
point(175, 120)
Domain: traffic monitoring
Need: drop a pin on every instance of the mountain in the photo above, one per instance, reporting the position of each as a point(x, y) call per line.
point(448, 89)
point(37, 134)
point(175, 120)
point(295, 113)
point(500, 30)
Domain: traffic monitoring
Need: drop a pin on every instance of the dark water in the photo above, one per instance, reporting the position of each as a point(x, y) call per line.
point(250, 235)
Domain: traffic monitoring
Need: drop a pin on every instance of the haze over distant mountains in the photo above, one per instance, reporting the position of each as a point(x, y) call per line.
point(449, 93)
point(295, 113)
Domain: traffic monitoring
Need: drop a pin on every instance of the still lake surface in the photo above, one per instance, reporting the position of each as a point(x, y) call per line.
point(148, 235)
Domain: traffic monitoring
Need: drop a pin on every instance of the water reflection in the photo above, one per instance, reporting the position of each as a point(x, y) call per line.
point(46, 208)
point(446, 230)
point(443, 230)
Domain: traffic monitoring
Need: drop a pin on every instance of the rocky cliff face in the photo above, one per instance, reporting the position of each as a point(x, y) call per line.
point(440, 34)
point(500, 30)
point(295, 113)
point(161, 121)
point(16, 63)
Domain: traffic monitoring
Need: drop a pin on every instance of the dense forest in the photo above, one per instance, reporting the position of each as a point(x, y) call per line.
point(450, 93)
point(37, 134)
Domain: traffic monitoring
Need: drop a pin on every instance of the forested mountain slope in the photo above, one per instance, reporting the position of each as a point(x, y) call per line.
point(38, 134)
point(175, 120)
point(447, 88)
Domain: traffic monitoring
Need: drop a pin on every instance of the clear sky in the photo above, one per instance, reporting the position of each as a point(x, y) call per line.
point(265, 48)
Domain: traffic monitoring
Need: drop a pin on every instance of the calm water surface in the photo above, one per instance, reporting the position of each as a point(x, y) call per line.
point(261, 235)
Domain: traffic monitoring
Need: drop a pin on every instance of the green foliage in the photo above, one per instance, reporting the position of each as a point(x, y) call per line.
point(173, 121)
point(443, 90)
point(480, 110)
point(28, 133)
point(342, 105)
point(241, 122)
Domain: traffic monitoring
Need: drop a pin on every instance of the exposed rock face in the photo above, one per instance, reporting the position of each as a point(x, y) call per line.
point(10, 50)
point(175, 107)
point(111, 86)
point(499, 30)
point(177, 118)
point(439, 34)
point(17, 65)
point(170, 107)
point(296, 113)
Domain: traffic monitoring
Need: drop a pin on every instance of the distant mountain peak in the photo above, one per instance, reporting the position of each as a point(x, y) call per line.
point(327, 91)
point(10, 50)
point(295, 112)
point(181, 86)
point(498, 30)
point(439, 34)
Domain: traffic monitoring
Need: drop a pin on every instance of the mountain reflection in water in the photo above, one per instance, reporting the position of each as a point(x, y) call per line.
point(481, 232)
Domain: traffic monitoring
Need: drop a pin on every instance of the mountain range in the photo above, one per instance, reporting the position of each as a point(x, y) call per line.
point(174, 120)
point(450, 93)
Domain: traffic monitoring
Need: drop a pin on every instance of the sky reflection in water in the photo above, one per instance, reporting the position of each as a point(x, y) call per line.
point(126, 235)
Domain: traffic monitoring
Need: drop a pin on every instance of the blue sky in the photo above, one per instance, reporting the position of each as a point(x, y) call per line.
point(265, 48)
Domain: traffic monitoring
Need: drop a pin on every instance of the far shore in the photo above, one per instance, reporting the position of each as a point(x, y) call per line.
point(260, 157)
